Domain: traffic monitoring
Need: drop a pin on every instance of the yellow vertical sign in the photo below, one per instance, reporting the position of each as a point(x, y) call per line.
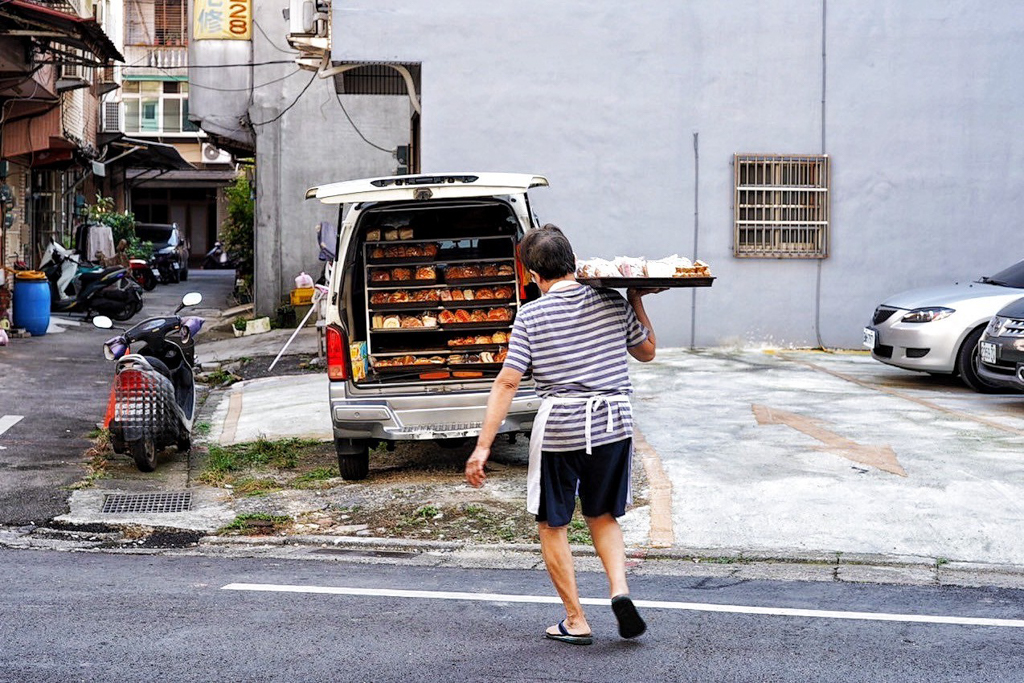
point(222, 20)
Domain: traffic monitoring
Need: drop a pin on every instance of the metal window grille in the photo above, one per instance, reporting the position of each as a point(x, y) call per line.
point(111, 117)
point(375, 79)
point(781, 207)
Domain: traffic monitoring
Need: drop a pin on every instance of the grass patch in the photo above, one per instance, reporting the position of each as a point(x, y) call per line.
point(256, 487)
point(579, 533)
point(316, 478)
point(221, 378)
point(201, 428)
point(97, 464)
point(224, 461)
point(256, 524)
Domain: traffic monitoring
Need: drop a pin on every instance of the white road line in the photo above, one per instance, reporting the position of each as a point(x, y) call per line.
point(650, 604)
point(8, 421)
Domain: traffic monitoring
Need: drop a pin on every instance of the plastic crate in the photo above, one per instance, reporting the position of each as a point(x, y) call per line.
point(302, 296)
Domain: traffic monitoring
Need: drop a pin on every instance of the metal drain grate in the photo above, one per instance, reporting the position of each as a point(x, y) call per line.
point(147, 502)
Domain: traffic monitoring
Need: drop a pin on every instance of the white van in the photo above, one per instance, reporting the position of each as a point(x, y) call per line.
point(422, 297)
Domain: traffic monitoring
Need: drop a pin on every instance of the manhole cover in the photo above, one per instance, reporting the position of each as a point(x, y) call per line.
point(147, 502)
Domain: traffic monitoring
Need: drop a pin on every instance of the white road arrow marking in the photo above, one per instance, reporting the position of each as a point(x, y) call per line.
point(651, 604)
point(8, 421)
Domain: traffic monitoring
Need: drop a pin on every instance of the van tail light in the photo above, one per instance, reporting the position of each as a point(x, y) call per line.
point(337, 360)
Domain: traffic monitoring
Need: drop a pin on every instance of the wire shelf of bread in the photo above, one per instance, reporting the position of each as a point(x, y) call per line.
point(625, 271)
point(462, 318)
point(403, 299)
point(484, 360)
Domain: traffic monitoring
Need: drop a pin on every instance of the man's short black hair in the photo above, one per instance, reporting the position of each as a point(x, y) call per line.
point(547, 252)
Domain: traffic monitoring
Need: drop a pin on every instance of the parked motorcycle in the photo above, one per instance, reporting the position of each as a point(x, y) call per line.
point(76, 287)
point(140, 271)
point(153, 400)
point(167, 268)
point(217, 258)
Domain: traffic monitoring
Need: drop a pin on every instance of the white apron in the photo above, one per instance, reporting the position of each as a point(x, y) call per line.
point(537, 437)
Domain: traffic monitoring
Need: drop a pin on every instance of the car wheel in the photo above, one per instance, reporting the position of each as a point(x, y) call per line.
point(966, 360)
point(353, 458)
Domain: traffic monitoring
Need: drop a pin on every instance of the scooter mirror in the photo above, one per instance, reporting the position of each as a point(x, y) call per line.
point(103, 322)
point(191, 299)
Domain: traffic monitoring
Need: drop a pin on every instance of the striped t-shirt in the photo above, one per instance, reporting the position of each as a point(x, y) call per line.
point(575, 341)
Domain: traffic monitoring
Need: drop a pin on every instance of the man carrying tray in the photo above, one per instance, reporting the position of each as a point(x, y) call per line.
point(575, 339)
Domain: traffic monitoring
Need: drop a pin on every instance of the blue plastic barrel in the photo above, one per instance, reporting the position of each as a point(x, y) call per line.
point(32, 305)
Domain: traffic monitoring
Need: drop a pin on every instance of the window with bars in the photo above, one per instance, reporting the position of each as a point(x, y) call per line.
point(781, 206)
point(160, 22)
point(375, 79)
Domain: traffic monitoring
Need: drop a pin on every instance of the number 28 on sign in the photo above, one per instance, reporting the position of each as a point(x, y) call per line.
point(222, 20)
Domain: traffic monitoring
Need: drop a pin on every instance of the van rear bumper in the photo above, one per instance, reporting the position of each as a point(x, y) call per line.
point(426, 416)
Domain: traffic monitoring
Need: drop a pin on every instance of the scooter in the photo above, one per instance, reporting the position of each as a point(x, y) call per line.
point(153, 399)
point(218, 258)
point(78, 289)
point(140, 271)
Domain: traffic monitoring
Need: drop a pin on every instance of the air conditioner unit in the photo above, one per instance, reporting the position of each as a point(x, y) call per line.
point(214, 155)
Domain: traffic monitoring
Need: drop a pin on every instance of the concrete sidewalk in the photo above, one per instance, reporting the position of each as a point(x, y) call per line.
point(794, 454)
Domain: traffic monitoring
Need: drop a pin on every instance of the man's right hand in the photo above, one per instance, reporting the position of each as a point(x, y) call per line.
point(475, 466)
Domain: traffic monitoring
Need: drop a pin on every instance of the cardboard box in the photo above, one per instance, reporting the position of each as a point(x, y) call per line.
point(360, 362)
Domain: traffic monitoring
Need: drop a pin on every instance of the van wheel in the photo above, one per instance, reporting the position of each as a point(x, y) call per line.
point(966, 359)
point(353, 458)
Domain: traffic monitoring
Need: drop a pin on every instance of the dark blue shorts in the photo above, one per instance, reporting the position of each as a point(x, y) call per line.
point(601, 478)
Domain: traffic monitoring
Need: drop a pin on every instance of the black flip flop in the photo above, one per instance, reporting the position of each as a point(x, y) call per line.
point(630, 622)
point(563, 636)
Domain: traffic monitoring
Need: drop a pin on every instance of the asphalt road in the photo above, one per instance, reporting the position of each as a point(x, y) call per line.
point(101, 617)
point(53, 391)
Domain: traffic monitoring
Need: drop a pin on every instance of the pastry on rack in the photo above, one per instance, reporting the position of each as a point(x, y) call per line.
point(499, 314)
point(379, 297)
point(410, 321)
point(447, 317)
point(499, 338)
point(505, 269)
point(392, 322)
point(426, 273)
point(401, 274)
point(380, 276)
point(373, 235)
point(503, 292)
point(429, 320)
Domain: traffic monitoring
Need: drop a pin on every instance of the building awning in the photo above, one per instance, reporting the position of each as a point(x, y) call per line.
point(146, 155)
point(37, 140)
point(194, 178)
point(20, 18)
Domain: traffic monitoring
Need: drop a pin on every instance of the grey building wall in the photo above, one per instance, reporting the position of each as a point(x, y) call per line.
point(921, 115)
point(310, 144)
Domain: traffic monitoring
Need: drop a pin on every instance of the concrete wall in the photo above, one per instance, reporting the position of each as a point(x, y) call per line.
point(923, 104)
point(312, 144)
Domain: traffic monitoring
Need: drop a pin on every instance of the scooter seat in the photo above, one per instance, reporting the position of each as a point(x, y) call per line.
point(98, 274)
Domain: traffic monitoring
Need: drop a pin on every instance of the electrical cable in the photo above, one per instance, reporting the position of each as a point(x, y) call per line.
point(193, 84)
point(211, 66)
point(285, 110)
point(359, 132)
point(279, 49)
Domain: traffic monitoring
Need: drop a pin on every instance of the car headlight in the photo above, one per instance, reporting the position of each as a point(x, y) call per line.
point(927, 315)
point(995, 326)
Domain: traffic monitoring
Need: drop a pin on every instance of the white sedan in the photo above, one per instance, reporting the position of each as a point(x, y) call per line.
point(937, 329)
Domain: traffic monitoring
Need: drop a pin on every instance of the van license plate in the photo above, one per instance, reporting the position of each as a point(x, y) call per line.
point(988, 352)
point(869, 338)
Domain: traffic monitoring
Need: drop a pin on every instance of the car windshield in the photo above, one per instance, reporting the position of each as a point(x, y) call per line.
point(1009, 277)
point(157, 235)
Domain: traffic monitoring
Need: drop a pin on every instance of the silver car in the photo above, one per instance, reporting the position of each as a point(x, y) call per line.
point(936, 330)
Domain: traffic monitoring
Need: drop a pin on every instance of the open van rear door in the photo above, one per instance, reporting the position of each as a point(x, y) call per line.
point(426, 187)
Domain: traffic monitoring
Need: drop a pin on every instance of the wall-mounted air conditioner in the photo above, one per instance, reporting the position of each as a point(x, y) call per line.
point(214, 155)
